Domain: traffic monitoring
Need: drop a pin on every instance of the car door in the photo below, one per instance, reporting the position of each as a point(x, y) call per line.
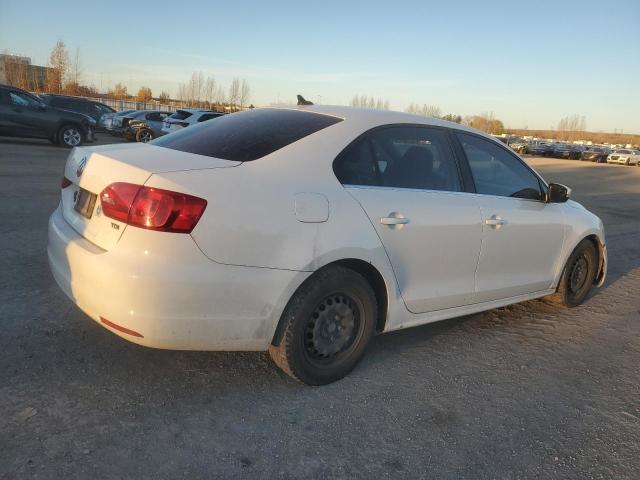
point(26, 115)
point(408, 182)
point(522, 236)
point(5, 125)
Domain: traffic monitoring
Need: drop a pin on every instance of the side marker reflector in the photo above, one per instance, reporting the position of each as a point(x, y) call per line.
point(120, 328)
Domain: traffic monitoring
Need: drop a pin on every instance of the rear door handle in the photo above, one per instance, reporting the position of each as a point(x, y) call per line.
point(495, 221)
point(395, 220)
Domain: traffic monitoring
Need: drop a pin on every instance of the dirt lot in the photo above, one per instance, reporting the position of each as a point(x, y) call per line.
point(527, 391)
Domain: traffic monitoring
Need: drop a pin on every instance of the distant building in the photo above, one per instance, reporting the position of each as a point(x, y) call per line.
point(18, 71)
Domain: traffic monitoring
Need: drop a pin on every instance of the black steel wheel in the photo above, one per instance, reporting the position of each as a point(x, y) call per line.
point(578, 275)
point(326, 326)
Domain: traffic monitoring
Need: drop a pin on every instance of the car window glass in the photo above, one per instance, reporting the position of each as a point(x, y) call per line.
point(23, 100)
point(401, 157)
point(249, 135)
point(497, 172)
point(208, 116)
point(180, 115)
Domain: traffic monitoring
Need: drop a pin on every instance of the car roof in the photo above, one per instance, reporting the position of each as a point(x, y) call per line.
point(371, 118)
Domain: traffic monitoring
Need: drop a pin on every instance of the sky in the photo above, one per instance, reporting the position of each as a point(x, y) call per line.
point(530, 63)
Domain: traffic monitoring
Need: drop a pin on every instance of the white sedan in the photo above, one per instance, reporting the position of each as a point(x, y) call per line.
point(306, 231)
point(186, 117)
point(624, 156)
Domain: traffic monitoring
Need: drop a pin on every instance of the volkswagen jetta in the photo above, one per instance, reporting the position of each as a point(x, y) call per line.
point(306, 231)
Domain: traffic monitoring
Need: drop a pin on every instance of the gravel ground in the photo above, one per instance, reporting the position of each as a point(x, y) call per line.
point(527, 391)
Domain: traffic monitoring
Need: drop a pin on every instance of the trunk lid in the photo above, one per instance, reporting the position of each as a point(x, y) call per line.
point(91, 169)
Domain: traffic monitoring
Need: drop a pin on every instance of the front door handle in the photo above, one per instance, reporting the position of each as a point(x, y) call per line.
point(495, 221)
point(395, 220)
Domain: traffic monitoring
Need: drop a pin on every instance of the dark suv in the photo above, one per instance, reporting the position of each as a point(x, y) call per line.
point(79, 105)
point(25, 115)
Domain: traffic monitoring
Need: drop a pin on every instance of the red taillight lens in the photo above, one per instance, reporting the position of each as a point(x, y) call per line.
point(116, 200)
point(65, 183)
point(152, 208)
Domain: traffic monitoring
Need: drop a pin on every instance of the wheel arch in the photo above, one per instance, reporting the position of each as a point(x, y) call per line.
point(601, 252)
point(371, 274)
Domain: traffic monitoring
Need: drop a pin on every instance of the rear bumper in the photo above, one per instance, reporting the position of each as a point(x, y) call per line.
point(161, 287)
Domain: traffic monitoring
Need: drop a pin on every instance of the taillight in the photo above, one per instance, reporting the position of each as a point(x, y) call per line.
point(65, 183)
point(152, 208)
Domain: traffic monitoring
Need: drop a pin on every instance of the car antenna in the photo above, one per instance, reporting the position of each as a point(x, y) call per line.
point(302, 101)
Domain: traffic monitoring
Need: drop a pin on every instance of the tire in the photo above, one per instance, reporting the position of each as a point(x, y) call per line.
point(328, 324)
point(578, 275)
point(70, 136)
point(144, 135)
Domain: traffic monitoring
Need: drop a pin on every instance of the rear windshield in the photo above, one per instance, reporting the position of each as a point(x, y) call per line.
point(247, 136)
point(180, 115)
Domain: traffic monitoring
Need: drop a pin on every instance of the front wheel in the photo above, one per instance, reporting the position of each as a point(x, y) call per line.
point(144, 135)
point(578, 275)
point(70, 136)
point(328, 324)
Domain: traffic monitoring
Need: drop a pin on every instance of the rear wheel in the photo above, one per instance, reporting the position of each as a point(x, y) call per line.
point(328, 324)
point(70, 136)
point(578, 275)
point(144, 135)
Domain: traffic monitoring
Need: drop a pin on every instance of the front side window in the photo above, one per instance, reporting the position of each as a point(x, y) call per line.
point(22, 100)
point(496, 171)
point(400, 157)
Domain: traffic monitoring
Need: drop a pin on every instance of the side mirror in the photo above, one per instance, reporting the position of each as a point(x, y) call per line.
point(558, 193)
point(42, 107)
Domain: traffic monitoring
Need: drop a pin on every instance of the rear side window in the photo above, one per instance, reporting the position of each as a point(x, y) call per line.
point(400, 157)
point(209, 116)
point(247, 136)
point(180, 115)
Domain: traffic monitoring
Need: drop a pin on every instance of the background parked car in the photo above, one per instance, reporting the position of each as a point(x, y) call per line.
point(595, 154)
point(563, 150)
point(624, 156)
point(151, 120)
point(25, 115)
point(538, 149)
point(185, 117)
point(113, 126)
point(95, 110)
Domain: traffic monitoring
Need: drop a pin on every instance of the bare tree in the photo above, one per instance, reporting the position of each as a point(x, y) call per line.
point(209, 90)
point(72, 85)
point(164, 98)
point(59, 65)
point(220, 96)
point(234, 92)
point(144, 94)
point(119, 92)
point(424, 109)
point(486, 122)
point(572, 126)
point(364, 101)
point(245, 93)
